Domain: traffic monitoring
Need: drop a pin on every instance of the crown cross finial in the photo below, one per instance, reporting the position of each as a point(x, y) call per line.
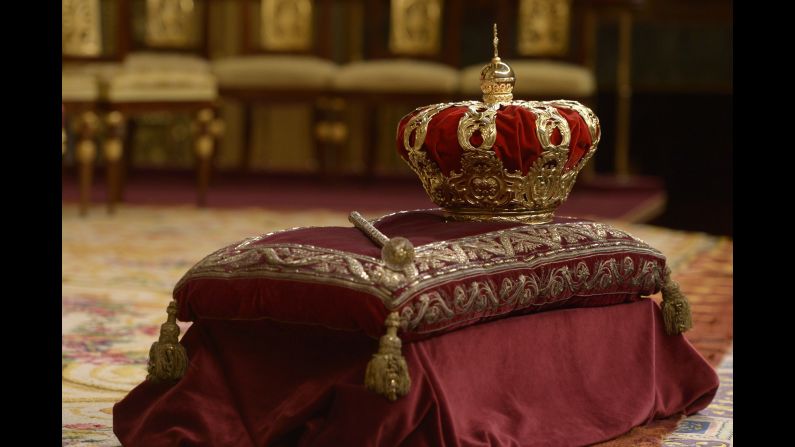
point(496, 78)
point(496, 41)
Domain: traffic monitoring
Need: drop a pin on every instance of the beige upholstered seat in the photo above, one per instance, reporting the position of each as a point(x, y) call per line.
point(162, 86)
point(538, 78)
point(274, 71)
point(100, 72)
point(162, 77)
point(144, 60)
point(398, 76)
point(78, 86)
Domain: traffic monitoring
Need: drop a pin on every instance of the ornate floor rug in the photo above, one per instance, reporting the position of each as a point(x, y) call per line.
point(118, 273)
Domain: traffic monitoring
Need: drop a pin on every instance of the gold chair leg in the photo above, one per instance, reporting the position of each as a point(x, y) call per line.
point(113, 150)
point(247, 141)
point(86, 153)
point(208, 129)
point(370, 123)
point(624, 81)
point(321, 137)
point(331, 133)
point(588, 173)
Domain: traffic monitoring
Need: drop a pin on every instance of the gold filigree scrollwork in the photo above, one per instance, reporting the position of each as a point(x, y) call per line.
point(480, 120)
point(306, 262)
point(286, 25)
point(544, 27)
point(594, 128)
point(81, 32)
point(170, 23)
point(427, 171)
point(415, 27)
point(549, 183)
point(482, 181)
point(590, 118)
point(480, 298)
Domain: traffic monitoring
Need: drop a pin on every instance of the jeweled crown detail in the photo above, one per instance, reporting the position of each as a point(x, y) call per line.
point(483, 189)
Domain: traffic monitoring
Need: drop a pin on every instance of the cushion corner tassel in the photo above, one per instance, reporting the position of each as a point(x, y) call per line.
point(168, 359)
point(675, 307)
point(387, 372)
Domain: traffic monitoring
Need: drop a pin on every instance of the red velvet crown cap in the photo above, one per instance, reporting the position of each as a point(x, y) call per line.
point(517, 144)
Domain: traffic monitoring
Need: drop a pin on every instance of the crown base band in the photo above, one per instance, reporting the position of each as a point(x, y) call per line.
point(481, 215)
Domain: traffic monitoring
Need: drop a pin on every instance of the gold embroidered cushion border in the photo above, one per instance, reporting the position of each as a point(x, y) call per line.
point(462, 273)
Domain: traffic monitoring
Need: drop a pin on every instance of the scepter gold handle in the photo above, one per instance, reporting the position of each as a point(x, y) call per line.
point(397, 253)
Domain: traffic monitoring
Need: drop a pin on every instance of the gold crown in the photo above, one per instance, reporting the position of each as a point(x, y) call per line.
point(482, 188)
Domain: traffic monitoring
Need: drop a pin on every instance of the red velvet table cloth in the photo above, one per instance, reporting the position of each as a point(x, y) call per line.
point(559, 378)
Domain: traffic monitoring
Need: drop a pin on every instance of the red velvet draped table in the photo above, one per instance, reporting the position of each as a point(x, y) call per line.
point(559, 378)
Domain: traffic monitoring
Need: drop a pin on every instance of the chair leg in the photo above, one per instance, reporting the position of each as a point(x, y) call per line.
point(113, 151)
point(320, 137)
point(588, 173)
point(338, 133)
point(624, 86)
point(204, 146)
point(86, 153)
point(245, 156)
point(126, 164)
point(370, 124)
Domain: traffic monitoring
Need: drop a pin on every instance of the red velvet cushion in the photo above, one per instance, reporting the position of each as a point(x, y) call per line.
point(467, 272)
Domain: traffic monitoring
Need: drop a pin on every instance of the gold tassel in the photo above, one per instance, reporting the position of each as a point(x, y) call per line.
point(168, 359)
point(387, 373)
point(675, 308)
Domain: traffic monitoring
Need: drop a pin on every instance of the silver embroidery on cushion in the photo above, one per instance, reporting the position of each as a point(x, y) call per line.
point(420, 298)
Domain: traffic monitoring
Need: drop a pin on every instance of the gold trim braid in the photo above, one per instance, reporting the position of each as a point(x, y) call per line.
point(555, 285)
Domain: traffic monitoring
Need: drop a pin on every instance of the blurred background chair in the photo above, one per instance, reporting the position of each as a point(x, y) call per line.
point(285, 58)
point(166, 71)
point(91, 52)
point(621, 12)
point(403, 52)
point(80, 95)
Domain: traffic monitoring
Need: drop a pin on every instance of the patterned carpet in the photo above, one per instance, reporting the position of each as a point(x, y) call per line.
point(118, 273)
